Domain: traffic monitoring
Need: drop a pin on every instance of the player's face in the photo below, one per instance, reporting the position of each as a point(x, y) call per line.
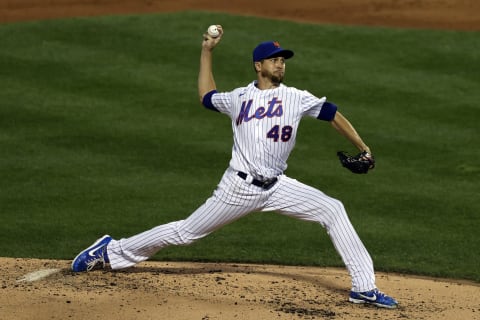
point(273, 69)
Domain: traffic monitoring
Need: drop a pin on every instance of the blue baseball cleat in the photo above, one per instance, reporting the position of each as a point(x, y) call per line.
point(92, 256)
point(374, 297)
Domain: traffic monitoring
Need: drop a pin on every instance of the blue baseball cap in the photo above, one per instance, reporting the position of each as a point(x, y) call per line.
point(270, 49)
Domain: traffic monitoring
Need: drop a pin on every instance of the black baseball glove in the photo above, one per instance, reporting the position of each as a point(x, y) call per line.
point(359, 163)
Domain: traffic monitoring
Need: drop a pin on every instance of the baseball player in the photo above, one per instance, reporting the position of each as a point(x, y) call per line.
point(265, 115)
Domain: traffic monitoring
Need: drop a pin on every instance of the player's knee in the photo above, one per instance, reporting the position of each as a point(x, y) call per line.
point(338, 208)
point(184, 236)
point(185, 241)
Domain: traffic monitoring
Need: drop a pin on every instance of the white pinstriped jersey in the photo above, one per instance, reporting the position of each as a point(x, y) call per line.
point(265, 124)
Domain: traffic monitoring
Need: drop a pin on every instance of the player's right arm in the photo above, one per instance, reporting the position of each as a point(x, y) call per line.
point(206, 81)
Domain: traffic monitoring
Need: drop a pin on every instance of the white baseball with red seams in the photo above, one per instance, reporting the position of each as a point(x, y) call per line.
point(213, 31)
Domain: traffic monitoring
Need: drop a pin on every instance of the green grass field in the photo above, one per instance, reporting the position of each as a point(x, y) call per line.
point(101, 132)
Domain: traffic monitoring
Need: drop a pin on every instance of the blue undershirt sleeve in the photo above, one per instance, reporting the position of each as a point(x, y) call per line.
point(328, 111)
point(207, 101)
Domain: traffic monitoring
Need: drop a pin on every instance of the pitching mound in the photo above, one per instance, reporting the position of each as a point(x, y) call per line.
point(47, 289)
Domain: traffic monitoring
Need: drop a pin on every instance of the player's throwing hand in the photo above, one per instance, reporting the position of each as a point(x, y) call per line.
point(210, 42)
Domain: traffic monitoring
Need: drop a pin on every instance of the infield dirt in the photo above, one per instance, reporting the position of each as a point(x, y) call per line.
point(183, 291)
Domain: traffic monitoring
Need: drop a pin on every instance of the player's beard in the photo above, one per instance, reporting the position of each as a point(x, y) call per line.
point(275, 77)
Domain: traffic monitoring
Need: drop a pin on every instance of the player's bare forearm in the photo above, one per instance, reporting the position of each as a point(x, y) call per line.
point(206, 81)
point(342, 125)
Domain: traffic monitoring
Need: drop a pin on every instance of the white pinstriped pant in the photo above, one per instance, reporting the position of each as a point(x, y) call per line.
point(235, 198)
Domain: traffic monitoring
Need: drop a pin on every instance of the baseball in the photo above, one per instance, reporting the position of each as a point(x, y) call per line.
point(213, 31)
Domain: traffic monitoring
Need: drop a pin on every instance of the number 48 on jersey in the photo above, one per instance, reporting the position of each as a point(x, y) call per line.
point(284, 134)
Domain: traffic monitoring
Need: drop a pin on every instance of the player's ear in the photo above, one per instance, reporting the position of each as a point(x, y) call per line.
point(257, 66)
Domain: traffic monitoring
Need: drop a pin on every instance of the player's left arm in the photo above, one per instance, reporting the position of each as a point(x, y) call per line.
point(342, 125)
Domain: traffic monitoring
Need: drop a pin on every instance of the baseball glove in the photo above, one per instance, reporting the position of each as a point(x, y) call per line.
point(359, 163)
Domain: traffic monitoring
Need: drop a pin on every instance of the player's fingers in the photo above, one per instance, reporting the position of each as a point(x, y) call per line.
point(366, 156)
point(370, 160)
point(207, 37)
point(209, 41)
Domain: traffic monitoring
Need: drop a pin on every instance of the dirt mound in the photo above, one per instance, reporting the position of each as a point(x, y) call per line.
point(172, 290)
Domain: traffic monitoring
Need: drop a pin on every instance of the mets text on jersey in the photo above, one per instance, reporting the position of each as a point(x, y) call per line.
point(274, 109)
